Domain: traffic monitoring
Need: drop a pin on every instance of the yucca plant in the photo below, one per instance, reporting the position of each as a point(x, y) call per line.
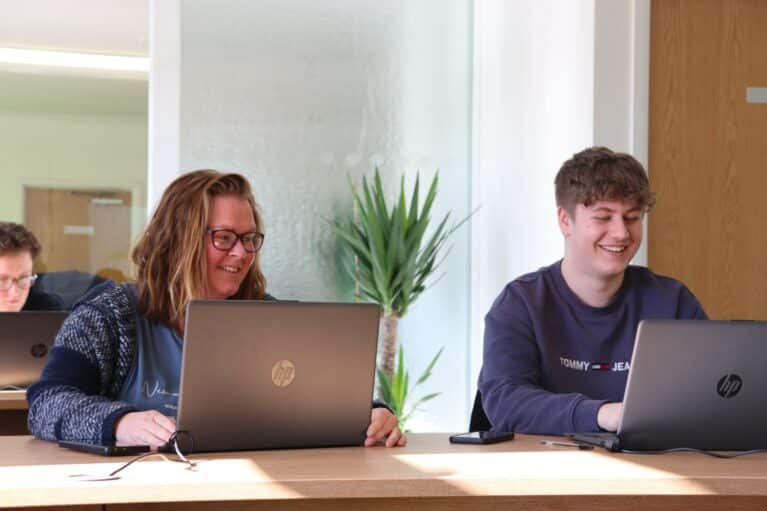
point(390, 257)
point(396, 391)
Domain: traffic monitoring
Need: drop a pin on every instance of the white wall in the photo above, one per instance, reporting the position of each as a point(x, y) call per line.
point(71, 150)
point(551, 78)
point(163, 163)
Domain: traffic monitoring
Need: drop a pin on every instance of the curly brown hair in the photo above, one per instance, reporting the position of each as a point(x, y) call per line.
point(17, 238)
point(170, 254)
point(598, 173)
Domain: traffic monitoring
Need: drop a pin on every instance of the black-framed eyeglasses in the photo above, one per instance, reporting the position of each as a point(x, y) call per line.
point(23, 282)
point(226, 239)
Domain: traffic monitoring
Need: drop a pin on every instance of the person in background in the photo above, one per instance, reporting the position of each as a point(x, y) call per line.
point(18, 250)
point(558, 341)
point(203, 241)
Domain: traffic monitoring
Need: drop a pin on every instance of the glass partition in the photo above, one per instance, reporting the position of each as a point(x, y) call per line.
point(305, 96)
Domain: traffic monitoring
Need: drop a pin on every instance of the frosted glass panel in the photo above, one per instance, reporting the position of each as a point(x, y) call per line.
point(303, 95)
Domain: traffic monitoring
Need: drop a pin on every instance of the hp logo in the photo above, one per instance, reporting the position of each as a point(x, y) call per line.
point(283, 373)
point(38, 350)
point(729, 385)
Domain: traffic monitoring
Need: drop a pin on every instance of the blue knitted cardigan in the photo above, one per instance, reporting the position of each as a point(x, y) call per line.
point(91, 356)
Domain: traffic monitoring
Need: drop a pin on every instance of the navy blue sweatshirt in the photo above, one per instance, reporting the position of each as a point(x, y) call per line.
point(550, 361)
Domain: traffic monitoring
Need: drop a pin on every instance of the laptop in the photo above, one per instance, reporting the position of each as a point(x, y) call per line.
point(274, 375)
point(25, 338)
point(693, 384)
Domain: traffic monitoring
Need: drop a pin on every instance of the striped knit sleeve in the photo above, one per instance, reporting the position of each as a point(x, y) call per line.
point(74, 398)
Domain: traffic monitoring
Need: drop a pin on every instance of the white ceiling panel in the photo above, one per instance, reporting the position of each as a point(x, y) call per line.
point(111, 27)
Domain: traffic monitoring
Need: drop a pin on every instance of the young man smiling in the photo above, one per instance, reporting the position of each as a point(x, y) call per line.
point(558, 341)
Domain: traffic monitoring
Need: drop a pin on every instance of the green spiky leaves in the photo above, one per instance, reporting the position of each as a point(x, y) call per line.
point(391, 255)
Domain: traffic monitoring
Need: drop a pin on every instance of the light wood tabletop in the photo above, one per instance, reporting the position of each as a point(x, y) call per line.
point(429, 473)
point(13, 399)
point(13, 413)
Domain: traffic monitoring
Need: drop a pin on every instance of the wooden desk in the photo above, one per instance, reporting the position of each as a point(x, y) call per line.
point(13, 412)
point(427, 474)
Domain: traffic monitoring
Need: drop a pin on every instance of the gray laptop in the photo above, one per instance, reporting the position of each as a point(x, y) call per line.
point(25, 338)
point(269, 374)
point(694, 384)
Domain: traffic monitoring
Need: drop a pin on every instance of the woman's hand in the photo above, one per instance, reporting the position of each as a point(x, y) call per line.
point(144, 428)
point(384, 429)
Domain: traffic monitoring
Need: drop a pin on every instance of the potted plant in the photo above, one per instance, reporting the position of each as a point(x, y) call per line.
point(390, 258)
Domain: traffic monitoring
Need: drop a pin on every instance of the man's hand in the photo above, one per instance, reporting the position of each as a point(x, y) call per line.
point(384, 429)
point(608, 416)
point(144, 428)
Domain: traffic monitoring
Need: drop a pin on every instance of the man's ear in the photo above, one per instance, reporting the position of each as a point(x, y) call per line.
point(565, 221)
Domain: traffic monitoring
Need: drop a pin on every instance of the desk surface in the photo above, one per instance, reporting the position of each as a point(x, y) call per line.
point(427, 474)
point(13, 414)
point(13, 399)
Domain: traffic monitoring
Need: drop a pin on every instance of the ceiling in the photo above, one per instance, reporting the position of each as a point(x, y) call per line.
point(111, 27)
point(107, 27)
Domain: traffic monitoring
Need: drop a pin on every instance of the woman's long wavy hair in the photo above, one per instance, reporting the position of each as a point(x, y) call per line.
point(170, 261)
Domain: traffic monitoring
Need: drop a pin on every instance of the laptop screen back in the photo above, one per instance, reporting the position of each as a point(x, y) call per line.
point(25, 338)
point(697, 384)
point(266, 375)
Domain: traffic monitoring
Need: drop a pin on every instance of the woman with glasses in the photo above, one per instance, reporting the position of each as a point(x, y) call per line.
point(18, 250)
point(114, 371)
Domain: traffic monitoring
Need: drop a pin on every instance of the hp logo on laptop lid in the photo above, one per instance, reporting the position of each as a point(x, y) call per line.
point(38, 350)
point(283, 373)
point(729, 385)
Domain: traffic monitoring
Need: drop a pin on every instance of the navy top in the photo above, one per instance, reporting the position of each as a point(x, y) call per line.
point(39, 300)
point(550, 361)
point(153, 381)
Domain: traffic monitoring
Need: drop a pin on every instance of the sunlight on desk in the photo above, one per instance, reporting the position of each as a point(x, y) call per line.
point(556, 472)
point(152, 478)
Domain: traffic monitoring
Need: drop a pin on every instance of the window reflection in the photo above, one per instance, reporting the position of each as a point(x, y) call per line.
point(73, 135)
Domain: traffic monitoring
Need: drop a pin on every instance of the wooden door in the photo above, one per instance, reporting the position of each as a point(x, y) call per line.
point(83, 230)
point(708, 151)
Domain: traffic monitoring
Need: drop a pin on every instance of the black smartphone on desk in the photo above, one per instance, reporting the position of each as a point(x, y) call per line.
point(482, 437)
point(105, 450)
